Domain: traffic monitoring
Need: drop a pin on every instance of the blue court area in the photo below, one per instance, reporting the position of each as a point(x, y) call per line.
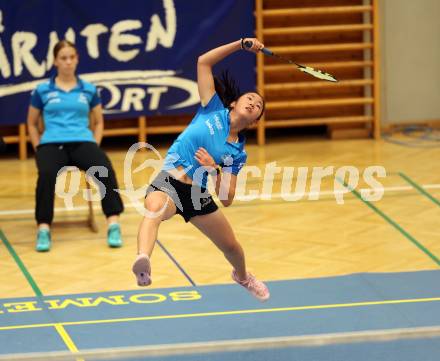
point(359, 302)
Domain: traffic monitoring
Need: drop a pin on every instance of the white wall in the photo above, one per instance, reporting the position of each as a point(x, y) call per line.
point(410, 60)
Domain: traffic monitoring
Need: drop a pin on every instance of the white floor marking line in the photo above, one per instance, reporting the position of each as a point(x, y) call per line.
point(240, 198)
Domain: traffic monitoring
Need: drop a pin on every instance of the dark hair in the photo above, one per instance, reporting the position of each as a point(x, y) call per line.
point(228, 90)
point(63, 44)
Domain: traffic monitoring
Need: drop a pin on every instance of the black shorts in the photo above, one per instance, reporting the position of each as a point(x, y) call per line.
point(190, 200)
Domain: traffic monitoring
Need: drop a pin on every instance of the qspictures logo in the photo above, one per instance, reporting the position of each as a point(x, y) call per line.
point(294, 181)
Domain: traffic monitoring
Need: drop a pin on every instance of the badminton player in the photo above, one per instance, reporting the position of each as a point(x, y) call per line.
point(211, 146)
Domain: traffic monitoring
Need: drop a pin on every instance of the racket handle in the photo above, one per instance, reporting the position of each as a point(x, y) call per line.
point(265, 51)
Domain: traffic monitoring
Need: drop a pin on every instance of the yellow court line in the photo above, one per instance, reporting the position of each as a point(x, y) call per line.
point(224, 313)
point(67, 339)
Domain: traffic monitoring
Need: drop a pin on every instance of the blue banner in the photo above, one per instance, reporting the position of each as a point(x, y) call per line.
point(141, 54)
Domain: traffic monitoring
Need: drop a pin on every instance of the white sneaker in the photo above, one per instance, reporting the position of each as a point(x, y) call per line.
point(142, 269)
point(257, 288)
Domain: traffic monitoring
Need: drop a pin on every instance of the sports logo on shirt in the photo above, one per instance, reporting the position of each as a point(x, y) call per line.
point(227, 160)
point(82, 98)
point(209, 125)
point(217, 122)
point(51, 95)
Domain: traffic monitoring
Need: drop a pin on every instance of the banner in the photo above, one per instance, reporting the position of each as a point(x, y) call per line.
point(142, 54)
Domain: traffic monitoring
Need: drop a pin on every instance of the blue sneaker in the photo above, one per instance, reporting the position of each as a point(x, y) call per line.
point(43, 240)
point(114, 238)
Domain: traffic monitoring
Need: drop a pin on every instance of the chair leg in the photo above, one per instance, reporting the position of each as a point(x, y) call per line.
point(91, 217)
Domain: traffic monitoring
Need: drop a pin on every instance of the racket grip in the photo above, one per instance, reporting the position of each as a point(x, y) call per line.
point(265, 51)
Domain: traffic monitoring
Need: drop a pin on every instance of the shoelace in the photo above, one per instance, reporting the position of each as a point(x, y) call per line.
point(252, 282)
point(45, 236)
point(113, 230)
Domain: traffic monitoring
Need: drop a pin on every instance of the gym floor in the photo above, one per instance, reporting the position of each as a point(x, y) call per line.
point(331, 267)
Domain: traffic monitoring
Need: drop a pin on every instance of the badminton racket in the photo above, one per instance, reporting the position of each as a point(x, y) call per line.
point(305, 69)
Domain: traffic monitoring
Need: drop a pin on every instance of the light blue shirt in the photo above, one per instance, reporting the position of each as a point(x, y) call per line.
point(208, 129)
point(65, 114)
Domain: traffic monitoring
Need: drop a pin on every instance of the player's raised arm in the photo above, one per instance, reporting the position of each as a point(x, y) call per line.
point(206, 61)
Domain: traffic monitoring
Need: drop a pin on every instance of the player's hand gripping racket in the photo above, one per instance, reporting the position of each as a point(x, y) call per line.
point(305, 69)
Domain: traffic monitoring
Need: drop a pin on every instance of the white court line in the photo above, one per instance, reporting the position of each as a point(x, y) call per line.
point(263, 196)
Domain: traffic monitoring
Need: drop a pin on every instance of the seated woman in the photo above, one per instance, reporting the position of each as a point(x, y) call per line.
point(66, 103)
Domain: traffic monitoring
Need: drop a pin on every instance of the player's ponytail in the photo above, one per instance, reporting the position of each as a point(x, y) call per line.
point(226, 88)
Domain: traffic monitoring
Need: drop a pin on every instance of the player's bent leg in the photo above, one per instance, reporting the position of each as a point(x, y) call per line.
point(217, 228)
